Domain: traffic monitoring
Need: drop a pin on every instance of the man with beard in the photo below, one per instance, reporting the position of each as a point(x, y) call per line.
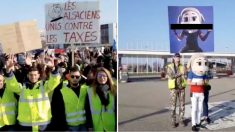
point(70, 105)
point(34, 110)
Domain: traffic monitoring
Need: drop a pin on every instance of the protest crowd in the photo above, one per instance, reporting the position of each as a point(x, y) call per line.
point(42, 91)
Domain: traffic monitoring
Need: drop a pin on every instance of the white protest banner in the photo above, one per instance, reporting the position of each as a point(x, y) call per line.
point(72, 22)
point(20, 37)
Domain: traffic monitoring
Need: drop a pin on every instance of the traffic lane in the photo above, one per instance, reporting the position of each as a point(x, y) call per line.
point(133, 107)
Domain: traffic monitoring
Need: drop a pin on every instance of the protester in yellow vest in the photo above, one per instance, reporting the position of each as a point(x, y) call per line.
point(8, 108)
point(177, 84)
point(102, 98)
point(70, 105)
point(34, 111)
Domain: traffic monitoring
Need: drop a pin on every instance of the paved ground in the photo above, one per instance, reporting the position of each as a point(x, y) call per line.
point(144, 106)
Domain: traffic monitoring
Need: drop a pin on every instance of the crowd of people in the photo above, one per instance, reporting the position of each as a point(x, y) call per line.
point(44, 92)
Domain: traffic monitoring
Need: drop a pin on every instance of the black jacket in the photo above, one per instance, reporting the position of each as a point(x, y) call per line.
point(58, 121)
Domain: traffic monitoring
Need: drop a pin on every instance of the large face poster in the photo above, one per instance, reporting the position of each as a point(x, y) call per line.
point(191, 29)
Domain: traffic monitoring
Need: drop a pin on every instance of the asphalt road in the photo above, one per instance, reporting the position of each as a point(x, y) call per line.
point(144, 106)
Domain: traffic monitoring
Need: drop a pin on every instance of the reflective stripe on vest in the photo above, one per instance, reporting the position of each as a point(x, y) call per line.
point(35, 124)
point(76, 113)
point(108, 111)
point(8, 113)
point(34, 100)
point(8, 104)
point(90, 102)
point(76, 119)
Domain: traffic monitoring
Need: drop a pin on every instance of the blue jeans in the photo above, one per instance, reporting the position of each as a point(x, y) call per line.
point(81, 127)
point(205, 104)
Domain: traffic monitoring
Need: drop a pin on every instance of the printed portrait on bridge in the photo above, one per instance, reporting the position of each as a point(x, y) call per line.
point(191, 29)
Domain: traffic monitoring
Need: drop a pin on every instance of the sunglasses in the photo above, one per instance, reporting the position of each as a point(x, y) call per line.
point(101, 75)
point(73, 76)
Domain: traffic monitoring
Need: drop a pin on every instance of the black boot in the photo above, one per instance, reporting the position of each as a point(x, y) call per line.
point(194, 128)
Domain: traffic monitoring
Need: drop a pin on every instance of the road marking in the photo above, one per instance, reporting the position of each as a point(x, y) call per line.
point(222, 114)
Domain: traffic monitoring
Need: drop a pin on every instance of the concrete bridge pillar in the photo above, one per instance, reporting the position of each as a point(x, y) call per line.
point(165, 61)
point(233, 65)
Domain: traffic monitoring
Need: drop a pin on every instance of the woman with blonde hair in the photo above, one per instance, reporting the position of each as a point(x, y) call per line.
point(102, 99)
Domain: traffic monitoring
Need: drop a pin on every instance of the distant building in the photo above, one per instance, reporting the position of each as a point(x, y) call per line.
point(108, 33)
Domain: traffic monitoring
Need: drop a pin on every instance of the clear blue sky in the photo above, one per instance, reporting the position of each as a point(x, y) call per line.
point(15, 10)
point(143, 24)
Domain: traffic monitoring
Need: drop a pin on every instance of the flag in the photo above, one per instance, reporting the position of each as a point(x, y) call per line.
point(114, 47)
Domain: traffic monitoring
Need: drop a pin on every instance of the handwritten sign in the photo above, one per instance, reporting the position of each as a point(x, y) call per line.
point(20, 37)
point(72, 22)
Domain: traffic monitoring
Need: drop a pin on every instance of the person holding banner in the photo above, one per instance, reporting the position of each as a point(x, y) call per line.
point(177, 84)
point(34, 109)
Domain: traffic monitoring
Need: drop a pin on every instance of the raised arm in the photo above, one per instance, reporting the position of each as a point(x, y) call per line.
point(11, 82)
point(179, 37)
point(204, 37)
point(54, 78)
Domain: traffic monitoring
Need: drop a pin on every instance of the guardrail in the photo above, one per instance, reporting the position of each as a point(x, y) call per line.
point(125, 76)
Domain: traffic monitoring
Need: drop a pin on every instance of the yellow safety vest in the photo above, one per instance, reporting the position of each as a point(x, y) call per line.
point(34, 106)
point(8, 105)
point(171, 82)
point(74, 106)
point(103, 119)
